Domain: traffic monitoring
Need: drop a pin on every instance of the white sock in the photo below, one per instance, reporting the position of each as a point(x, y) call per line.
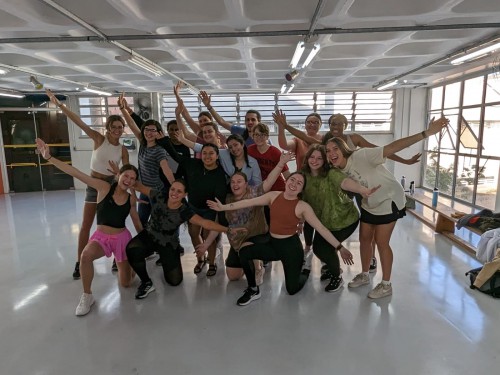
point(386, 283)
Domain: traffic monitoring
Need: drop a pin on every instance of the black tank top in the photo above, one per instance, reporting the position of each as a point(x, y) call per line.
point(111, 214)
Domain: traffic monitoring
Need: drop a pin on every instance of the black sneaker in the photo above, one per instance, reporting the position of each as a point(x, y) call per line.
point(326, 276)
point(335, 284)
point(158, 262)
point(373, 265)
point(248, 296)
point(144, 289)
point(114, 267)
point(76, 272)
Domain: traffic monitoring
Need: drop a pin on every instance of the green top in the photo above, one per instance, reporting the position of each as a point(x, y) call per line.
point(330, 203)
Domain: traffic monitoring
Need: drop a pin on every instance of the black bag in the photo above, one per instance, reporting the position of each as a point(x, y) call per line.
point(490, 287)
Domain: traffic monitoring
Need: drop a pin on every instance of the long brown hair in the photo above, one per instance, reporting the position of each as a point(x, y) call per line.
point(342, 145)
point(323, 171)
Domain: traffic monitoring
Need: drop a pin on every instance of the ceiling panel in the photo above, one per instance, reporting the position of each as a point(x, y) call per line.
point(349, 58)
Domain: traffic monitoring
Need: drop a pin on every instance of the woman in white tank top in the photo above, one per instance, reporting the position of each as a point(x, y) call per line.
point(106, 147)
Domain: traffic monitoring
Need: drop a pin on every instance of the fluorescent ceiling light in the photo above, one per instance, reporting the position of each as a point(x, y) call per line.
point(313, 53)
point(144, 64)
point(96, 91)
point(11, 93)
point(387, 85)
point(311, 49)
point(474, 55)
point(299, 50)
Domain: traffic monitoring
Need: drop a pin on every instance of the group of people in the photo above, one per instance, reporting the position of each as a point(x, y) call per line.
point(239, 185)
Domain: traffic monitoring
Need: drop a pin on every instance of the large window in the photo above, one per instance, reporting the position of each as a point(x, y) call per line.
point(464, 161)
point(95, 110)
point(366, 111)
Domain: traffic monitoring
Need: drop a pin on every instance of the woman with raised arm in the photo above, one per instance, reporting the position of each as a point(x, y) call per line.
point(205, 179)
point(152, 158)
point(338, 124)
point(114, 205)
point(300, 147)
point(252, 218)
point(267, 156)
point(106, 148)
point(287, 210)
point(333, 207)
point(252, 118)
point(169, 211)
point(233, 159)
point(204, 118)
point(380, 211)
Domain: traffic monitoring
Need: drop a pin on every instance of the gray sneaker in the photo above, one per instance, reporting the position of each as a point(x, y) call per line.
point(380, 291)
point(359, 280)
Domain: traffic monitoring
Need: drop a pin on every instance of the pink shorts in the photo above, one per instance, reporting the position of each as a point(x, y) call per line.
point(113, 243)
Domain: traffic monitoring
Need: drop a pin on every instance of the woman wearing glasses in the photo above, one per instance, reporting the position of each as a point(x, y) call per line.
point(267, 156)
point(152, 158)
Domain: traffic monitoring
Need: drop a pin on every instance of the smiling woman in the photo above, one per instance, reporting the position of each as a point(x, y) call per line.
point(114, 204)
point(287, 210)
point(106, 148)
point(169, 211)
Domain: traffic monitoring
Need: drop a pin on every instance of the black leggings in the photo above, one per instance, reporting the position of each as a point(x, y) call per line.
point(142, 246)
point(327, 253)
point(288, 250)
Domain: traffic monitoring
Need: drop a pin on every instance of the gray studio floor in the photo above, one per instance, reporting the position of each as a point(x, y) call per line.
point(433, 324)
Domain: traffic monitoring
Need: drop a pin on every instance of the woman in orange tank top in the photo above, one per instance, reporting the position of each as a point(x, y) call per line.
point(287, 210)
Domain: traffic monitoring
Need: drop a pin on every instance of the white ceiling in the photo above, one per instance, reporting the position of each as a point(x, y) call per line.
point(236, 63)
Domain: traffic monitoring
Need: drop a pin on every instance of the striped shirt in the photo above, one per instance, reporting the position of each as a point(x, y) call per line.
point(149, 166)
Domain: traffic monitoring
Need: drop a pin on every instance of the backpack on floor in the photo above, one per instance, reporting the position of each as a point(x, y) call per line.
point(490, 287)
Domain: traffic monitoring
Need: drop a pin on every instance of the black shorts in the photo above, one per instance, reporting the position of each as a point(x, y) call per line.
point(91, 193)
point(369, 218)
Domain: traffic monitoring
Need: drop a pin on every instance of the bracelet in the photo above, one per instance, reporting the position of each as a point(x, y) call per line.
point(60, 105)
point(423, 134)
point(210, 108)
point(49, 158)
point(121, 108)
point(339, 247)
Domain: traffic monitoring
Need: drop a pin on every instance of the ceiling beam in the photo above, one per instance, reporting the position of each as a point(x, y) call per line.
point(241, 34)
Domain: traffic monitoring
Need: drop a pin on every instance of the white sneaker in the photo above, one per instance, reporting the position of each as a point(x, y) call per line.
point(380, 291)
point(359, 280)
point(259, 275)
point(86, 302)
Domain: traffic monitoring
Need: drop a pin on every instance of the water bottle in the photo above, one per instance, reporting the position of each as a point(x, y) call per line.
point(412, 187)
point(403, 182)
point(435, 195)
